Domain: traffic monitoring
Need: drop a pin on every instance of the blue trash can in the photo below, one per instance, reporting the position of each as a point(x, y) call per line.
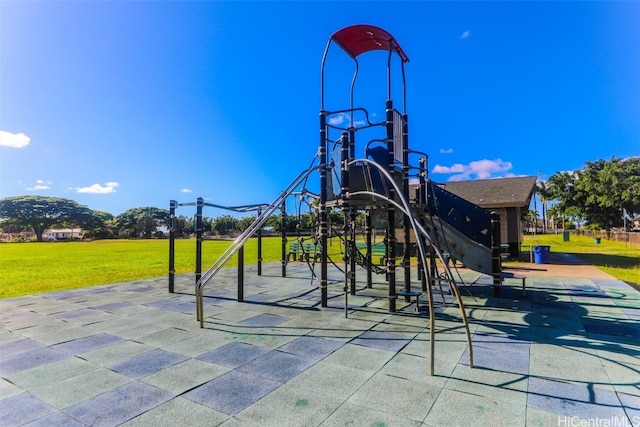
point(541, 254)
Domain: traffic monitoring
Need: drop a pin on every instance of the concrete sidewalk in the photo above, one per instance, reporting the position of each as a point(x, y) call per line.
point(132, 354)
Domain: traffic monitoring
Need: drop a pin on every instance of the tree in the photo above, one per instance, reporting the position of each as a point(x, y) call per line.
point(543, 192)
point(40, 213)
point(598, 193)
point(142, 221)
point(245, 222)
point(102, 229)
point(184, 226)
point(224, 224)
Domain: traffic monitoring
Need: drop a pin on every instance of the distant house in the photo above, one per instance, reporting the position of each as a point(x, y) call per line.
point(62, 234)
point(508, 197)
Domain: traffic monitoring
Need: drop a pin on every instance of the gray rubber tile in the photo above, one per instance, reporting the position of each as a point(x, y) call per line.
point(498, 359)
point(232, 392)
point(382, 340)
point(147, 363)
point(113, 306)
point(55, 419)
point(118, 405)
point(74, 314)
point(87, 344)
point(312, 348)
point(30, 359)
point(22, 409)
point(19, 346)
point(175, 305)
point(277, 366)
point(178, 412)
point(573, 400)
point(264, 320)
point(631, 404)
point(233, 354)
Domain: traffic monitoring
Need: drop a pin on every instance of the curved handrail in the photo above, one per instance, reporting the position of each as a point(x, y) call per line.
point(405, 208)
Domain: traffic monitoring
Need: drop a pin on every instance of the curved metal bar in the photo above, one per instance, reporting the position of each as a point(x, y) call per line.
point(406, 209)
point(353, 85)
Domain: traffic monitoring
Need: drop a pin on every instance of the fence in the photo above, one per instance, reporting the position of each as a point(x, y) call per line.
point(632, 238)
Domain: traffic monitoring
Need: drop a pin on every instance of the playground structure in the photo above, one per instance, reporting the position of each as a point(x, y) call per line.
point(366, 167)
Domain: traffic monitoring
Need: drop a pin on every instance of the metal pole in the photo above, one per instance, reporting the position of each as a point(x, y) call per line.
point(241, 274)
point(369, 257)
point(322, 209)
point(199, 206)
point(172, 244)
point(391, 212)
point(259, 245)
point(283, 234)
point(406, 259)
point(495, 254)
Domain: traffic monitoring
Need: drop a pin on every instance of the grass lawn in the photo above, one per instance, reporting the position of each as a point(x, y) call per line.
point(36, 267)
point(620, 260)
point(31, 268)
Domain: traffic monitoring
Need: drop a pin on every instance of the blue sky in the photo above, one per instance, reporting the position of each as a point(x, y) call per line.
point(133, 103)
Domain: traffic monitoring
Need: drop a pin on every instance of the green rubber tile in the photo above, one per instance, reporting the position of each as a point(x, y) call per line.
point(166, 336)
point(178, 412)
point(135, 329)
point(456, 408)
point(184, 376)
point(405, 329)
point(199, 344)
point(8, 389)
point(539, 418)
point(579, 368)
point(51, 373)
point(290, 406)
point(70, 333)
point(357, 356)
point(117, 352)
point(79, 388)
point(623, 377)
point(268, 337)
point(355, 415)
point(46, 327)
point(370, 316)
point(397, 396)
point(501, 386)
point(415, 369)
point(330, 380)
point(237, 314)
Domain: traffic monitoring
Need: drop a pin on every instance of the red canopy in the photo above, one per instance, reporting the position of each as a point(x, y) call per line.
point(358, 39)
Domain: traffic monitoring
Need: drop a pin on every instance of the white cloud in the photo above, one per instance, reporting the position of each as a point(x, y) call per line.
point(446, 150)
point(480, 169)
point(40, 185)
point(8, 139)
point(186, 190)
point(109, 187)
point(338, 119)
point(465, 35)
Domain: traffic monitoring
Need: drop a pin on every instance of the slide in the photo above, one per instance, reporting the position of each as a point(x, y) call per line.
point(460, 228)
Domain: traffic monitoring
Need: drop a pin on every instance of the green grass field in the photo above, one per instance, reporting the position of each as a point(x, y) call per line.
point(30, 268)
point(620, 260)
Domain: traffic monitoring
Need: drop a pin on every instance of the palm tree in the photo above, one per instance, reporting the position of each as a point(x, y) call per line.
point(543, 191)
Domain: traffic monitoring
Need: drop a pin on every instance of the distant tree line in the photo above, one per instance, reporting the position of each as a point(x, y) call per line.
point(39, 213)
point(597, 195)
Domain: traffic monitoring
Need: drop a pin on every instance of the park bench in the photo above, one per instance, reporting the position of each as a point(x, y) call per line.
point(377, 250)
point(508, 275)
point(303, 252)
point(409, 294)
